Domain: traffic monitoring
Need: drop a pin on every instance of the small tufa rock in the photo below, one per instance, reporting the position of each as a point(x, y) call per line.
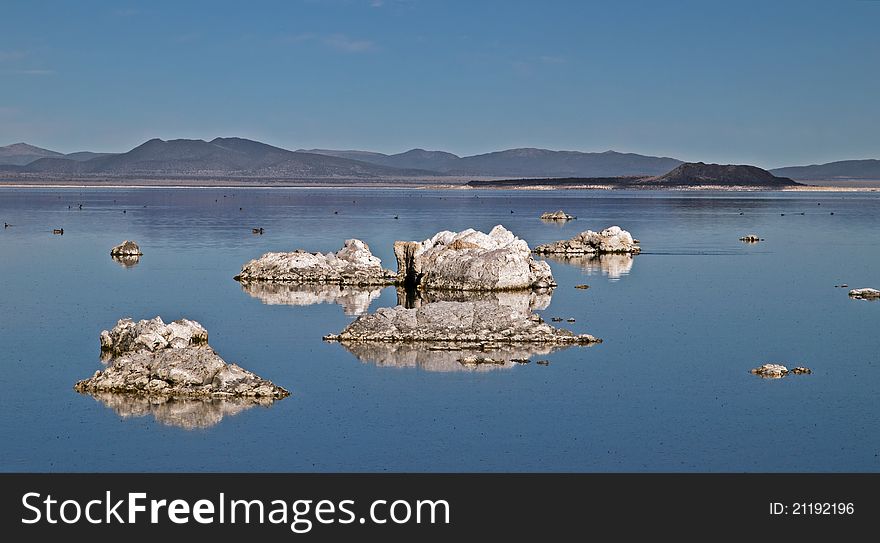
point(152, 358)
point(477, 360)
point(557, 216)
point(126, 248)
point(865, 294)
point(612, 240)
point(543, 362)
point(778, 371)
point(772, 371)
point(751, 238)
point(354, 264)
point(582, 287)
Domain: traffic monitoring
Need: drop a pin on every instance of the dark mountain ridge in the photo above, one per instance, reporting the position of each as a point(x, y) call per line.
point(688, 174)
point(843, 169)
point(701, 174)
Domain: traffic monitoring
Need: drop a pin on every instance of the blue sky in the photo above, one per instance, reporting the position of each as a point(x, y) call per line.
point(767, 83)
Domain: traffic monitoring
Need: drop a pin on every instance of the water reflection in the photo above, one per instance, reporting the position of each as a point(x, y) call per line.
point(428, 357)
point(524, 300)
point(187, 413)
point(614, 266)
point(354, 300)
point(126, 261)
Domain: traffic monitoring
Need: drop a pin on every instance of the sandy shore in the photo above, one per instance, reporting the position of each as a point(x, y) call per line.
point(432, 184)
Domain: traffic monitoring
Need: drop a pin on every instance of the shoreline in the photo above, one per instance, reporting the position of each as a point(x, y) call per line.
point(180, 184)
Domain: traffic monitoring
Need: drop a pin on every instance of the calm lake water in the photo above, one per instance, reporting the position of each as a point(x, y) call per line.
point(668, 390)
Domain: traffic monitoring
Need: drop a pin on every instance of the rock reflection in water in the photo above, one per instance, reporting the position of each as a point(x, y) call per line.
point(525, 300)
point(126, 261)
point(187, 413)
point(354, 300)
point(424, 357)
point(614, 266)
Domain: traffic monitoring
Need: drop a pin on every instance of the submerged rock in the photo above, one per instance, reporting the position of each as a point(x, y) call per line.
point(473, 361)
point(458, 324)
point(611, 240)
point(446, 358)
point(150, 357)
point(354, 264)
point(777, 371)
point(471, 261)
point(126, 248)
point(187, 413)
point(354, 300)
point(865, 293)
point(557, 216)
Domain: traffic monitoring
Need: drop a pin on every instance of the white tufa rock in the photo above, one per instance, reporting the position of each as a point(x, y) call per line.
point(152, 358)
point(354, 264)
point(611, 240)
point(126, 248)
point(865, 293)
point(471, 260)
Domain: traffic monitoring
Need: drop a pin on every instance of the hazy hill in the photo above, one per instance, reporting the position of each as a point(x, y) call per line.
point(524, 162)
point(844, 169)
point(21, 153)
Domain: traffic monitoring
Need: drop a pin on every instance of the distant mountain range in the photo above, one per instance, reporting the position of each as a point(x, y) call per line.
point(220, 157)
point(844, 169)
point(242, 158)
point(527, 162)
point(20, 154)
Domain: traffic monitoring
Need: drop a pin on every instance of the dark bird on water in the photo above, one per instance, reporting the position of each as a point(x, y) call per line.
point(257, 230)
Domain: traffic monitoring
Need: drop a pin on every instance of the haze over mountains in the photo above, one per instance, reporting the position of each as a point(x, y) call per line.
point(524, 162)
point(243, 158)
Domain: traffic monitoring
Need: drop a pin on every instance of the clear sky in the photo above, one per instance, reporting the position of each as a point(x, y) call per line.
point(770, 83)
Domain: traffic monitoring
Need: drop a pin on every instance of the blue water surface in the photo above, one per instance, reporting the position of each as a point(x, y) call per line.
point(667, 390)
